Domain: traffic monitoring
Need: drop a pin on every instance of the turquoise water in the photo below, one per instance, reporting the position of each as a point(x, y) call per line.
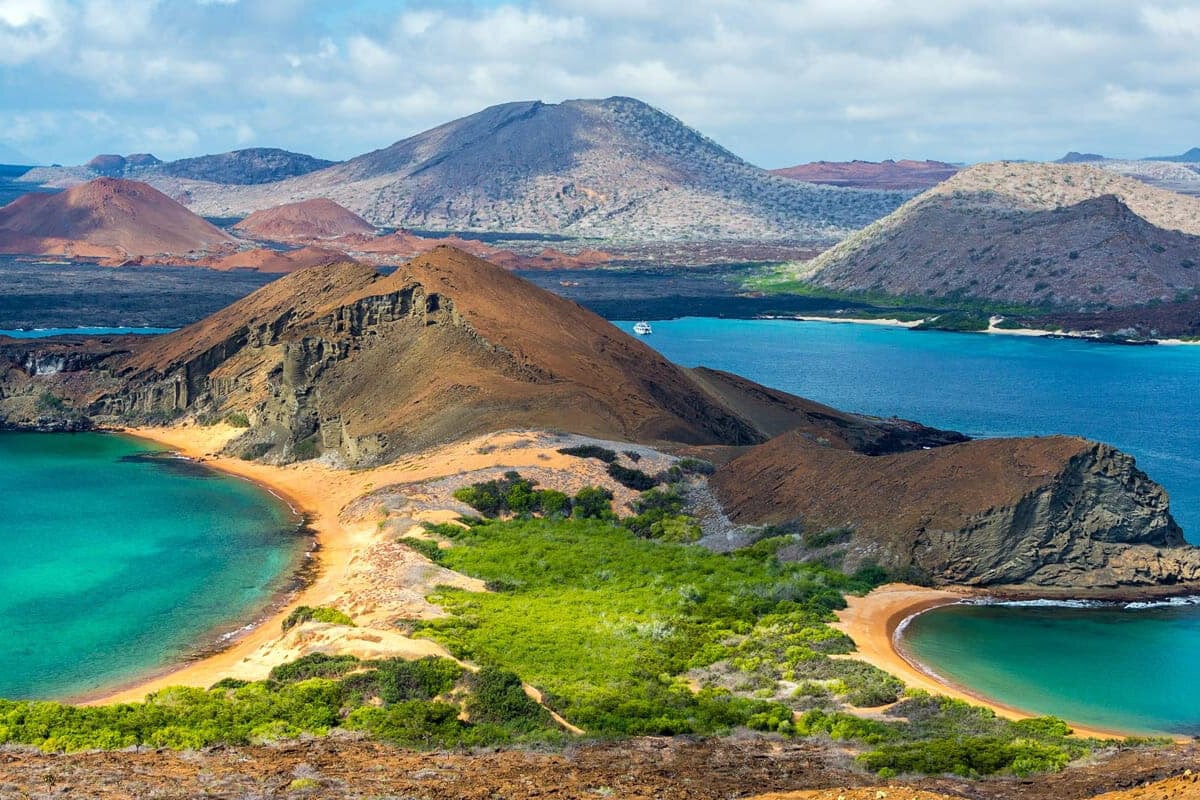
point(114, 562)
point(1108, 667)
point(40, 333)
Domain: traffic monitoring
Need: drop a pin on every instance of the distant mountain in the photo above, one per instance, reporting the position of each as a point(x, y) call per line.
point(105, 218)
point(1061, 235)
point(238, 167)
point(893, 175)
point(607, 168)
point(1080, 158)
point(318, 218)
point(114, 166)
point(1190, 157)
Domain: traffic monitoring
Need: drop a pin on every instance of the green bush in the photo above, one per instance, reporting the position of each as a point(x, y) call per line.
point(302, 614)
point(818, 539)
point(426, 547)
point(593, 502)
point(237, 419)
point(423, 679)
point(314, 665)
point(695, 466)
point(631, 478)
point(590, 451)
point(514, 495)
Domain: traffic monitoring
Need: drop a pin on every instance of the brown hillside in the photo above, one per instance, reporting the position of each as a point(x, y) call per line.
point(108, 217)
point(1042, 511)
point(446, 347)
point(1071, 236)
point(900, 175)
point(306, 220)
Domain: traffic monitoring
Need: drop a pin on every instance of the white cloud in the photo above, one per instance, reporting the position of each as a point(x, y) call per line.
point(779, 80)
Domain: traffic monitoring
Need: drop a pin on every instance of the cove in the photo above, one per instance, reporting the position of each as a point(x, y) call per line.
point(1131, 669)
point(118, 559)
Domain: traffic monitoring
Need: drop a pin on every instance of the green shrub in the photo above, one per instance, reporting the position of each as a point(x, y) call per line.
point(695, 466)
point(302, 614)
point(593, 502)
point(514, 495)
point(307, 448)
point(631, 478)
point(237, 419)
point(423, 679)
point(500, 698)
point(426, 547)
point(314, 665)
point(590, 451)
point(818, 539)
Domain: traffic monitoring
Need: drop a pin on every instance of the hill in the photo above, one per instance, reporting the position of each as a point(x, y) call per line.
point(614, 168)
point(1191, 156)
point(1080, 158)
point(105, 218)
point(237, 167)
point(341, 359)
point(318, 218)
point(1030, 513)
point(1059, 235)
point(903, 175)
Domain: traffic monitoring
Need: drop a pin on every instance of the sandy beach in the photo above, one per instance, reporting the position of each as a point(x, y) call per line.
point(872, 622)
point(359, 567)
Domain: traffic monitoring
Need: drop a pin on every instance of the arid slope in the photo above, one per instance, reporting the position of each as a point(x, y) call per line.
point(107, 217)
point(1062, 235)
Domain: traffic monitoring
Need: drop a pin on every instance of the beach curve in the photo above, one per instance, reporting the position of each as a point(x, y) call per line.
point(875, 620)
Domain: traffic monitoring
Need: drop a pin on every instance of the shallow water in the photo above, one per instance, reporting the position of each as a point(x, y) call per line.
point(117, 560)
point(1106, 667)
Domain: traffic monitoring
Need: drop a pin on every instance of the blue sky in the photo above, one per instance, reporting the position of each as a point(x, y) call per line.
point(777, 82)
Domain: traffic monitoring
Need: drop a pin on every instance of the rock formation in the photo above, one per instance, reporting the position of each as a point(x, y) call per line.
point(1031, 515)
point(340, 359)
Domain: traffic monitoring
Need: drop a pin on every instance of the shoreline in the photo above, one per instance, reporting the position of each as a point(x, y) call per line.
point(1035, 333)
point(207, 665)
point(875, 622)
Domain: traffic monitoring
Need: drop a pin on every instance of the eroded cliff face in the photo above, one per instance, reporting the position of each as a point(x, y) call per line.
point(1029, 516)
point(1099, 523)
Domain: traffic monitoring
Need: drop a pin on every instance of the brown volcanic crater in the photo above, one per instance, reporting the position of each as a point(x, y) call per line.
point(318, 218)
point(105, 217)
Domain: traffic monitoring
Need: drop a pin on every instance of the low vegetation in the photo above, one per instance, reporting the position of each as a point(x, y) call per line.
point(429, 703)
point(302, 614)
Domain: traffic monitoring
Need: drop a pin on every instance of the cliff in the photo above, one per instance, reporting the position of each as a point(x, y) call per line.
point(1024, 515)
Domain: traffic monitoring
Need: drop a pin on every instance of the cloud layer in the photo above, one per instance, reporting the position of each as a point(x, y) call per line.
point(777, 82)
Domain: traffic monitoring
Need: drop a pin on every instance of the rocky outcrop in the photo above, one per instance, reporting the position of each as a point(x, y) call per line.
point(1020, 515)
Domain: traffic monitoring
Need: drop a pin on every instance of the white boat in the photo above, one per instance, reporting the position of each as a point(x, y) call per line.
point(643, 328)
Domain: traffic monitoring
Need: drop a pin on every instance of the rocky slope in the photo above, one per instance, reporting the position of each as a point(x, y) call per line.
point(340, 359)
point(106, 218)
point(306, 220)
point(614, 168)
point(1061, 235)
point(1039, 515)
point(903, 175)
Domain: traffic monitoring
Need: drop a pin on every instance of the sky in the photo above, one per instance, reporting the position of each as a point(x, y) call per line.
point(779, 83)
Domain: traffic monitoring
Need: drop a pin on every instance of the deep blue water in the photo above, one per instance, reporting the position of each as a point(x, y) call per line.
point(1132, 670)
